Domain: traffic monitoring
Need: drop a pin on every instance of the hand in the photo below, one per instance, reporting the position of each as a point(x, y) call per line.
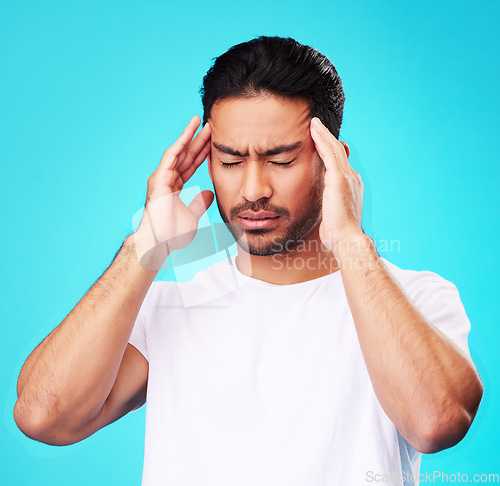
point(168, 224)
point(343, 192)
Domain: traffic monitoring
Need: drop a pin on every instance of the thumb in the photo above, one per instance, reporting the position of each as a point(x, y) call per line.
point(201, 203)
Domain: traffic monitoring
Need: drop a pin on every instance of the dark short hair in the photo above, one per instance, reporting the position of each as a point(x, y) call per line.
point(279, 66)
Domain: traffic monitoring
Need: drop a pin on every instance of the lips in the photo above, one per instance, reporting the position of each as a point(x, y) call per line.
point(258, 215)
point(255, 220)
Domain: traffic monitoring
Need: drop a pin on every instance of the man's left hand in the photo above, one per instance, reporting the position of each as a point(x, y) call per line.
point(343, 192)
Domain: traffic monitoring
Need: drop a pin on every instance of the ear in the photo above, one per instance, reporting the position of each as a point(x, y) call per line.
point(346, 147)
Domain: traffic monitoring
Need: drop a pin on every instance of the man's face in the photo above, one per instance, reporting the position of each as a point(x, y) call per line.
point(244, 133)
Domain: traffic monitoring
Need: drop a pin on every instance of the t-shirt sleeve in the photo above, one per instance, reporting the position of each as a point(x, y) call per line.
point(138, 336)
point(439, 301)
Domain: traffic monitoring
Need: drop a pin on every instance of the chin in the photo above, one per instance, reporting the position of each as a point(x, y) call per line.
point(264, 247)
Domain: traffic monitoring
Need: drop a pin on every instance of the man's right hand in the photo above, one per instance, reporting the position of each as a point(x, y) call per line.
point(85, 374)
point(168, 224)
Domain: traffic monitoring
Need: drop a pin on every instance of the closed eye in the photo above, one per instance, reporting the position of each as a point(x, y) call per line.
point(229, 165)
point(281, 163)
point(224, 164)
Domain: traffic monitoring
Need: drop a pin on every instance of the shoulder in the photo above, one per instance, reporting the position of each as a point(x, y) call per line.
point(416, 281)
point(438, 299)
point(207, 285)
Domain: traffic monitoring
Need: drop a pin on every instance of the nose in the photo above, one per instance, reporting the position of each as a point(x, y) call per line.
point(255, 184)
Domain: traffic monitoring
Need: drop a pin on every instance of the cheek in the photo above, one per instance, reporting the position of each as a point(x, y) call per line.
point(225, 184)
point(294, 182)
point(287, 186)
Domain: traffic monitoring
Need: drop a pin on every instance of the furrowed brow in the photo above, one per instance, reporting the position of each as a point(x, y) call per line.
point(274, 151)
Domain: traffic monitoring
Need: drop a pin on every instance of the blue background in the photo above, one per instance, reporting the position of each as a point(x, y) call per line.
point(92, 93)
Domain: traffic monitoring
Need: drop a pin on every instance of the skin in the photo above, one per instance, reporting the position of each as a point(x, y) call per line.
point(427, 386)
point(253, 126)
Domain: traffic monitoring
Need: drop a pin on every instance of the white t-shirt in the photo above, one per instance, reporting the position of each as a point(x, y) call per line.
point(257, 384)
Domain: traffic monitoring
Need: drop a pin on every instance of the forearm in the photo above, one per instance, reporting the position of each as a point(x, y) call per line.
point(426, 385)
point(67, 378)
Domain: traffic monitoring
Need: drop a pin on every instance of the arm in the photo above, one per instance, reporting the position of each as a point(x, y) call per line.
point(67, 380)
point(84, 374)
point(426, 385)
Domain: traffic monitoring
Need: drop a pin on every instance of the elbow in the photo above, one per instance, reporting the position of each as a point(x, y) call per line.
point(35, 423)
point(443, 436)
point(31, 422)
point(445, 433)
point(451, 425)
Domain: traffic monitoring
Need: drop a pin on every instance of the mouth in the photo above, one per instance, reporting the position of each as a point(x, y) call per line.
point(255, 220)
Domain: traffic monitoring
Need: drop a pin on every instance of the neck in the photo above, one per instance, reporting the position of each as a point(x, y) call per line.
point(307, 260)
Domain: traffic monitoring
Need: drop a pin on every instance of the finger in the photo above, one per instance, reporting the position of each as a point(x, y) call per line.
point(195, 147)
point(327, 153)
point(186, 175)
point(335, 146)
point(347, 164)
point(341, 153)
point(169, 159)
point(201, 203)
point(357, 175)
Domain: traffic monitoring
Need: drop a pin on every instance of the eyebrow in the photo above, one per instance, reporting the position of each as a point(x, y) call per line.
point(274, 151)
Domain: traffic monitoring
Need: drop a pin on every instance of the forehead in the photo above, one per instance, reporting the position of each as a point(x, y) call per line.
point(259, 123)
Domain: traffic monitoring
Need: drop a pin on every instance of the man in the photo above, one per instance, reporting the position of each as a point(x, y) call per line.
point(307, 359)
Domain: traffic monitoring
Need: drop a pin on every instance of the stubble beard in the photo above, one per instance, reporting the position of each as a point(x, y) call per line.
point(255, 241)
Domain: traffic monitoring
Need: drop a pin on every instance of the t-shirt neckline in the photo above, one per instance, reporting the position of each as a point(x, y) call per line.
point(262, 283)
